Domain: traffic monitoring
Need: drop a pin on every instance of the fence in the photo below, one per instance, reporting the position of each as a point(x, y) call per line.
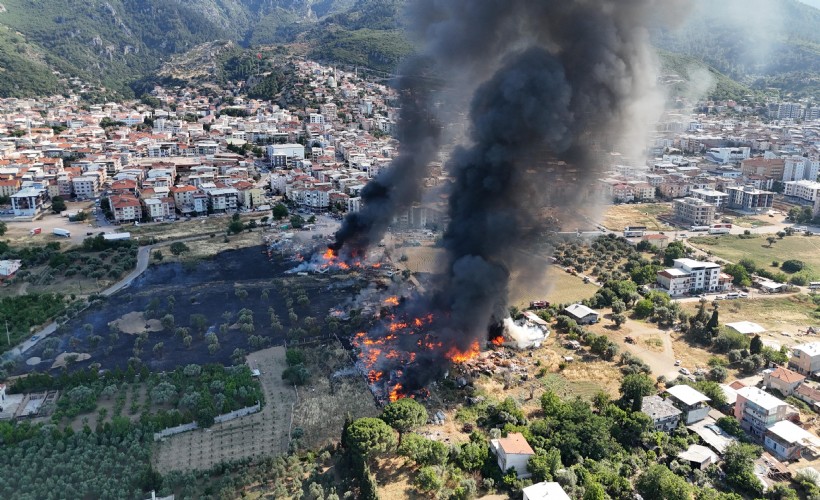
point(237, 413)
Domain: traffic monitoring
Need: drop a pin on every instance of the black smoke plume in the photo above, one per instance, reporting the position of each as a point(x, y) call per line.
point(397, 187)
point(551, 85)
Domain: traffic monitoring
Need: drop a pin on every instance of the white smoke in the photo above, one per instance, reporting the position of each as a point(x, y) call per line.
point(525, 334)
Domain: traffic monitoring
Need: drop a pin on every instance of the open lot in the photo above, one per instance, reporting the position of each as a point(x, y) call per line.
point(260, 434)
point(617, 217)
point(733, 248)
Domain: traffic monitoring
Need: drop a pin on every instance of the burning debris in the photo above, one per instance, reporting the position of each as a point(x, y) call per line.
point(551, 86)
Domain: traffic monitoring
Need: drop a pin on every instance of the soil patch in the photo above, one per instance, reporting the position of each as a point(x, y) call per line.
point(62, 359)
point(135, 323)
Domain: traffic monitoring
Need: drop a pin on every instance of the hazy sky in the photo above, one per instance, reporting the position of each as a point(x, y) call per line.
point(813, 3)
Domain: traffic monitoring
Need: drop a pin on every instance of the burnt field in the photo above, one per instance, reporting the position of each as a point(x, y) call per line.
point(177, 314)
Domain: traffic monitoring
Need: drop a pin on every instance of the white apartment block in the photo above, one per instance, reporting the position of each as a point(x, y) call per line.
point(690, 276)
point(86, 187)
point(711, 196)
point(803, 189)
point(797, 168)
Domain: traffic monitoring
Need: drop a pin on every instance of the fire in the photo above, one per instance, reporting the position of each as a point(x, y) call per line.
point(329, 254)
point(457, 356)
point(498, 341)
point(374, 376)
point(396, 393)
point(391, 301)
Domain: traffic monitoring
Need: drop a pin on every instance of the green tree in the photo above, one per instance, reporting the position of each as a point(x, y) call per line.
point(297, 221)
point(674, 250)
point(756, 345)
point(178, 248)
point(429, 479)
point(472, 455)
point(366, 437)
point(738, 464)
point(280, 211)
point(58, 204)
point(404, 414)
point(3, 228)
point(660, 482)
point(423, 451)
point(544, 464)
point(634, 387)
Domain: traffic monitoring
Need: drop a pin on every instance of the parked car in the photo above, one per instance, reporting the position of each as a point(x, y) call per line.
point(685, 371)
point(677, 362)
point(35, 337)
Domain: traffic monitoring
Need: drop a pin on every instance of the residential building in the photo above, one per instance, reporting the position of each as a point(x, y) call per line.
point(711, 196)
point(9, 187)
point(184, 198)
point(281, 155)
point(694, 212)
point(699, 456)
point(803, 190)
point(767, 167)
point(797, 168)
point(805, 358)
point(757, 410)
point(126, 208)
point(582, 314)
point(787, 440)
point(86, 187)
point(28, 202)
point(690, 276)
point(749, 198)
point(689, 401)
point(157, 209)
point(514, 452)
point(782, 379)
point(809, 394)
point(221, 200)
point(545, 491)
point(664, 415)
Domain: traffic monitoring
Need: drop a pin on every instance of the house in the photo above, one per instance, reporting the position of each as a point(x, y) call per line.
point(514, 452)
point(545, 491)
point(582, 314)
point(659, 240)
point(689, 401)
point(782, 379)
point(805, 358)
point(809, 394)
point(787, 440)
point(699, 456)
point(690, 276)
point(757, 410)
point(694, 212)
point(126, 208)
point(664, 415)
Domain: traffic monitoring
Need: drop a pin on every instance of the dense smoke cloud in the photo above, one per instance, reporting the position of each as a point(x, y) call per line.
point(551, 85)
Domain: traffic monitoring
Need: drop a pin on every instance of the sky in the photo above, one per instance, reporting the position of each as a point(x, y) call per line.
point(813, 3)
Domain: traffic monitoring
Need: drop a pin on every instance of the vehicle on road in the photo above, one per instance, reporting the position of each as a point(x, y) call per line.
point(677, 362)
point(35, 337)
point(62, 232)
point(685, 371)
point(719, 297)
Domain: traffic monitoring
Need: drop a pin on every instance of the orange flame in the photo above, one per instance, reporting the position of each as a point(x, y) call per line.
point(391, 301)
point(498, 341)
point(457, 356)
point(396, 394)
point(373, 376)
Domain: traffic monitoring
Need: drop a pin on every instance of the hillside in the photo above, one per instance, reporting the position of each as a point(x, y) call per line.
point(758, 43)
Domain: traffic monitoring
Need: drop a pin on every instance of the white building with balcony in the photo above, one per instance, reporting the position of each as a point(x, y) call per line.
point(690, 276)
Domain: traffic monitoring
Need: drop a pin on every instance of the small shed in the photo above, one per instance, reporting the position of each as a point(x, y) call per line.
point(699, 456)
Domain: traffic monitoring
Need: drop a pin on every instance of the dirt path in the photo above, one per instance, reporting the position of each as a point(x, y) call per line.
point(261, 434)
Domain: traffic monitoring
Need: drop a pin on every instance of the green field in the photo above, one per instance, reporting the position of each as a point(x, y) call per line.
point(734, 248)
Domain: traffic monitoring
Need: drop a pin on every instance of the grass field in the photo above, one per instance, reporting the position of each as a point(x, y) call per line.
point(618, 217)
point(751, 222)
point(554, 285)
point(776, 314)
point(733, 248)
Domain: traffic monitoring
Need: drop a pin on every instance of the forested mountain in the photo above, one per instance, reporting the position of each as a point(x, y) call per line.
point(759, 43)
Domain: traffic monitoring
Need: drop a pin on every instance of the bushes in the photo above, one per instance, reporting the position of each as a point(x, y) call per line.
point(792, 266)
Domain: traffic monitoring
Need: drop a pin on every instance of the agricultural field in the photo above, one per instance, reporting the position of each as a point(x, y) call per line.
point(617, 217)
point(216, 224)
point(734, 248)
point(555, 285)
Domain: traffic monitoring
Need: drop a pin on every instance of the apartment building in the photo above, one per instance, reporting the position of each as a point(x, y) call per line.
point(126, 208)
point(664, 415)
point(805, 358)
point(690, 276)
point(694, 211)
point(222, 200)
point(749, 198)
point(757, 410)
point(767, 167)
point(711, 196)
point(802, 189)
point(797, 168)
point(86, 187)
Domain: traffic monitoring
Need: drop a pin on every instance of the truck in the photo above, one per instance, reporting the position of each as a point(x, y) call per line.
point(699, 228)
point(36, 230)
point(723, 228)
point(634, 231)
point(62, 232)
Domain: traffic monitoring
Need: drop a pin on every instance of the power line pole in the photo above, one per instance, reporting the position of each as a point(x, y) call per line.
point(8, 337)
